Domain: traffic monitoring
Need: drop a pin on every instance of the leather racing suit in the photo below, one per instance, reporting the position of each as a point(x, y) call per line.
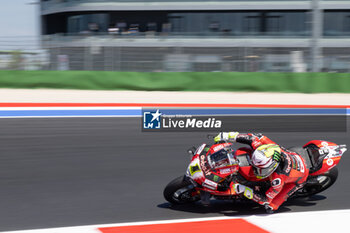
point(290, 175)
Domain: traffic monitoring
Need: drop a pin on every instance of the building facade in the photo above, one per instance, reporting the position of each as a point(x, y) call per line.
point(151, 35)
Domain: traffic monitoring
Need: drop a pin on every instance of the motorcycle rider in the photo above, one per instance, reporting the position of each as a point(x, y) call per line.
point(285, 170)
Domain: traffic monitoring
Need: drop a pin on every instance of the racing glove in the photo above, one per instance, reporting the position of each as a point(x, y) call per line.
point(226, 136)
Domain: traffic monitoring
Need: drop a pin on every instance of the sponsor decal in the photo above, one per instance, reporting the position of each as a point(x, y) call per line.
point(209, 184)
point(218, 147)
point(258, 135)
point(324, 143)
point(200, 149)
point(271, 195)
point(276, 182)
point(256, 144)
point(294, 163)
point(289, 166)
point(203, 163)
point(216, 178)
point(300, 164)
point(225, 171)
point(330, 162)
point(277, 156)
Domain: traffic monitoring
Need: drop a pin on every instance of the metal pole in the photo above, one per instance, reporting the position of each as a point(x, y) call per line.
point(317, 30)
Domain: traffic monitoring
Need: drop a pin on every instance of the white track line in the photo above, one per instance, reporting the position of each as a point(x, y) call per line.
point(332, 221)
point(312, 221)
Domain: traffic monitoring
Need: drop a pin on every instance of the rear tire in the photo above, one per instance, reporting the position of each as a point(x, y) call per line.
point(324, 182)
point(180, 191)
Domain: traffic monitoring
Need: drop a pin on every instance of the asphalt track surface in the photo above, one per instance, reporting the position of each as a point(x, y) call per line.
point(58, 172)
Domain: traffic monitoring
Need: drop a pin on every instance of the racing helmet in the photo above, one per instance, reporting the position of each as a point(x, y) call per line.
point(265, 160)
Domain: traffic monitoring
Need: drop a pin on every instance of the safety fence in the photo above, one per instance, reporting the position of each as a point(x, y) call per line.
point(164, 54)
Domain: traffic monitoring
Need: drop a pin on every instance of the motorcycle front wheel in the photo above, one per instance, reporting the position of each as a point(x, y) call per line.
point(180, 191)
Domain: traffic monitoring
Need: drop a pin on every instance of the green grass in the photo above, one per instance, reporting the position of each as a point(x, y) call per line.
point(177, 81)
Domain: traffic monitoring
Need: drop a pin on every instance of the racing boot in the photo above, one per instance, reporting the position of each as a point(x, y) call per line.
point(268, 209)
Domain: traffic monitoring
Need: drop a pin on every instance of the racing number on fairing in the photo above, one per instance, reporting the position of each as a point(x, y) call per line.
point(248, 193)
point(195, 168)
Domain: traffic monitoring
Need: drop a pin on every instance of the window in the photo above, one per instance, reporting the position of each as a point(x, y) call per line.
point(336, 23)
point(346, 25)
point(252, 24)
point(273, 24)
point(88, 23)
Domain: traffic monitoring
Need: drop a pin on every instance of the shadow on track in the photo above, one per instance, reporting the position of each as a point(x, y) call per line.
point(237, 208)
point(306, 201)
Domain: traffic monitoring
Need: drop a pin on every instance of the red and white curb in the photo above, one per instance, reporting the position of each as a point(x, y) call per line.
point(49, 110)
point(314, 221)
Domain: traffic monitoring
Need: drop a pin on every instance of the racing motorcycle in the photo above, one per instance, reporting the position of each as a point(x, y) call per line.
point(214, 168)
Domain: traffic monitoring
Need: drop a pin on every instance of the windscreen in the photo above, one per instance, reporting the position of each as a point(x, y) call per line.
point(221, 158)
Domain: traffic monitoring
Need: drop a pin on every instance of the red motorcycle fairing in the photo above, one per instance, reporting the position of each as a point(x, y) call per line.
point(209, 178)
point(217, 147)
point(330, 151)
point(200, 176)
point(320, 143)
point(201, 172)
point(326, 166)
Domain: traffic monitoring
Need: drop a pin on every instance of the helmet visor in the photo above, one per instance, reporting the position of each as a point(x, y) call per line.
point(262, 173)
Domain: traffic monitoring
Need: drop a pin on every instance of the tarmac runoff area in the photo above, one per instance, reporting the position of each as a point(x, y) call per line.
point(80, 189)
point(87, 96)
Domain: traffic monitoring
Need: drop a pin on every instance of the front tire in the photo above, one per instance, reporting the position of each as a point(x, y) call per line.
point(324, 181)
point(180, 191)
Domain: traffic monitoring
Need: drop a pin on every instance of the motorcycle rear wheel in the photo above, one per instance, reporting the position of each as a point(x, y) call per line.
point(324, 181)
point(180, 191)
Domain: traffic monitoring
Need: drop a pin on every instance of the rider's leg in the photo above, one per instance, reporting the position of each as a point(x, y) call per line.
point(286, 192)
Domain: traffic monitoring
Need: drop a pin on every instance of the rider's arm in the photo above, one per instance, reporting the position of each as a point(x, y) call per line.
point(277, 183)
point(253, 139)
point(230, 136)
